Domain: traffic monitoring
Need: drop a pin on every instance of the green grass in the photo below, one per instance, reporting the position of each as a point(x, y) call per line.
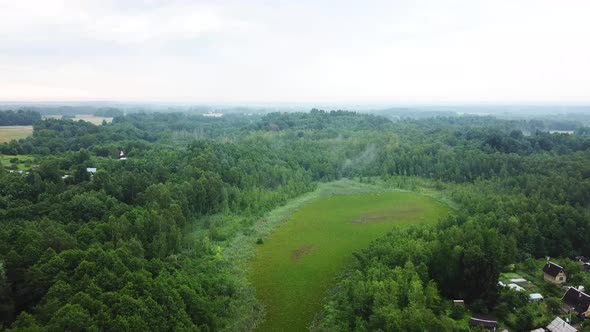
point(295, 267)
point(24, 162)
point(8, 133)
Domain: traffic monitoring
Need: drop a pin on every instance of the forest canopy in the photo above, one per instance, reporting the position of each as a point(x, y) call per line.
point(19, 118)
point(139, 244)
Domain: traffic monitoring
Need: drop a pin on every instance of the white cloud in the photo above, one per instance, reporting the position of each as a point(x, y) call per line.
point(388, 51)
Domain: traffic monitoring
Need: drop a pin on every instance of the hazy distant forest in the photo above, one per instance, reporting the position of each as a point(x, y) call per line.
point(143, 243)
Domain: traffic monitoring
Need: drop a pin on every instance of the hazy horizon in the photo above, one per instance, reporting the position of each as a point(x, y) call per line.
point(387, 53)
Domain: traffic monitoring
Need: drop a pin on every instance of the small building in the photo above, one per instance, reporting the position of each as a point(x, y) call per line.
point(554, 273)
point(582, 259)
point(122, 155)
point(488, 323)
point(515, 287)
point(535, 297)
point(559, 325)
point(459, 303)
point(91, 170)
point(586, 267)
point(518, 280)
point(574, 300)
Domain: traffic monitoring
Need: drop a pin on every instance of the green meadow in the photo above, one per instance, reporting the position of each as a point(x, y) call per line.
point(20, 162)
point(295, 266)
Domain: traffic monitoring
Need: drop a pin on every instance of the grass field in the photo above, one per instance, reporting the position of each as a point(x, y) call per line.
point(97, 120)
point(8, 133)
point(296, 265)
point(22, 162)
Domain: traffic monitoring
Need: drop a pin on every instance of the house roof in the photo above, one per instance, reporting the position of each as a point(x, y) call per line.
point(559, 325)
point(552, 269)
point(579, 301)
point(515, 287)
point(483, 321)
point(582, 259)
point(535, 296)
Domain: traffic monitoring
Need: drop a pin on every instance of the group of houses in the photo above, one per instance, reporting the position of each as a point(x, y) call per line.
point(574, 301)
point(556, 325)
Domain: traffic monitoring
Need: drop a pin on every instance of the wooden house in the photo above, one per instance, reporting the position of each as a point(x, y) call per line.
point(559, 325)
point(575, 300)
point(488, 323)
point(554, 273)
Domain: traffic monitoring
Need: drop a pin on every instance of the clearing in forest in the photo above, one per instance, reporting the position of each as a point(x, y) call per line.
point(296, 266)
point(8, 133)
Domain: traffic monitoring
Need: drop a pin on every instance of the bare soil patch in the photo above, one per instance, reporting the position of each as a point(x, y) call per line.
point(298, 253)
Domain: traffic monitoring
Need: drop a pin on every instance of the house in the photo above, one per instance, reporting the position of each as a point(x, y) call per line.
point(459, 303)
point(554, 273)
point(586, 267)
point(582, 259)
point(122, 155)
point(91, 170)
point(535, 297)
point(488, 323)
point(559, 325)
point(577, 301)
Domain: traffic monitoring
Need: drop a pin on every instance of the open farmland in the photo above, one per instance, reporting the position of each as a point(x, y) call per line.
point(8, 133)
point(294, 268)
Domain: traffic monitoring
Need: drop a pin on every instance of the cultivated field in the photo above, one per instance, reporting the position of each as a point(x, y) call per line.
point(296, 266)
point(8, 133)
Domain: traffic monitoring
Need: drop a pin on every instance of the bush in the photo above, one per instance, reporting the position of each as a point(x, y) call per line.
point(259, 241)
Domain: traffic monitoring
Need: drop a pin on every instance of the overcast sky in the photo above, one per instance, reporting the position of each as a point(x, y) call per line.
point(296, 51)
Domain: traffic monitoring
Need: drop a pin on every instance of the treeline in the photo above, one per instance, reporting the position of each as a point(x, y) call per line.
point(19, 118)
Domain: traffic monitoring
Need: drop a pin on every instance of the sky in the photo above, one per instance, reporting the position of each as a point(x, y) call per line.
point(396, 51)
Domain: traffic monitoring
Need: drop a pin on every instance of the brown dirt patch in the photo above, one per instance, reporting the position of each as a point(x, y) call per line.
point(396, 214)
point(298, 253)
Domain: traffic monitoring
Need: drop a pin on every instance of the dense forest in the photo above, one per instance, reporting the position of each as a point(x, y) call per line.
point(19, 118)
point(139, 244)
